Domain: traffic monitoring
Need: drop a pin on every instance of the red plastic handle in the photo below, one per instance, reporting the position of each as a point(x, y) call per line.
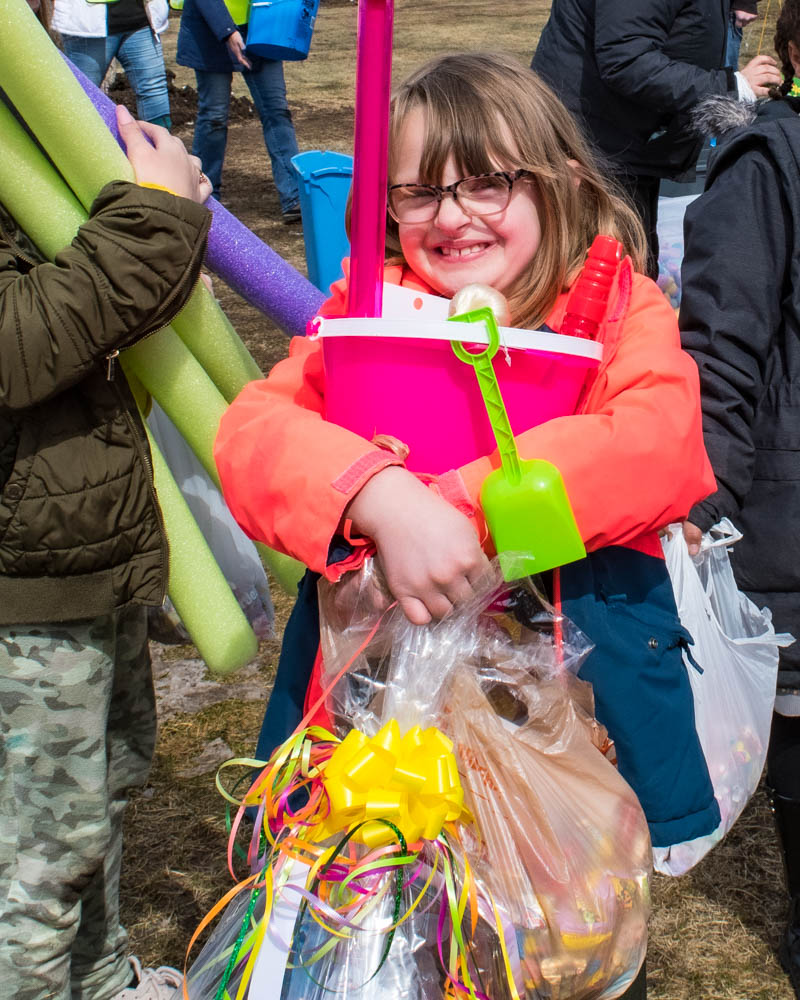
point(588, 300)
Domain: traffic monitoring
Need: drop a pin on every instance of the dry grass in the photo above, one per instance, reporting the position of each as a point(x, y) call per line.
point(713, 932)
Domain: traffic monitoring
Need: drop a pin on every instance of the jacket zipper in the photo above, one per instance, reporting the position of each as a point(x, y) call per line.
point(112, 356)
point(110, 359)
point(23, 256)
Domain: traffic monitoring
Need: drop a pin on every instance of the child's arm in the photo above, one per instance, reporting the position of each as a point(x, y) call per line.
point(292, 479)
point(430, 553)
point(162, 161)
point(128, 271)
point(635, 461)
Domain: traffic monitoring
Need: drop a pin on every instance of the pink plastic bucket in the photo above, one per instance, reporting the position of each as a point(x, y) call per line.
point(378, 380)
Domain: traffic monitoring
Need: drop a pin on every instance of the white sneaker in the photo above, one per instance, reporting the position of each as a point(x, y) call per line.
point(163, 983)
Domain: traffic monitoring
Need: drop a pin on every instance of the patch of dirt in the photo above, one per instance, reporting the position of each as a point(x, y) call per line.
point(182, 101)
point(184, 685)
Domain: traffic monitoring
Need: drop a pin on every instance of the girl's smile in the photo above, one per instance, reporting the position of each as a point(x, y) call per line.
point(455, 248)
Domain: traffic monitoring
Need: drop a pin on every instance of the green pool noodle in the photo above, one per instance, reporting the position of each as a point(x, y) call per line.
point(208, 609)
point(42, 204)
point(197, 587)
point(171, 374)
point(228, 363)
point(44, 91)
point(33, 190)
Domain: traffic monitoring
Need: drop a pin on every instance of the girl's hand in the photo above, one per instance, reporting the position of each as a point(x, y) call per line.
point(693, 536)
point(358, 595)
point(163, 160)
point(762, 73)
point(429, 550)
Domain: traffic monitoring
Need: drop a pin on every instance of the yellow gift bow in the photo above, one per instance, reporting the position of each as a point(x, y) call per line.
point(411, 781)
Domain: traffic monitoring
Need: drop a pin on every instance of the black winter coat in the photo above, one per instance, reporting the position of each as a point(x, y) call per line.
point(740, 319)
point(631, 70)
point(80, 529)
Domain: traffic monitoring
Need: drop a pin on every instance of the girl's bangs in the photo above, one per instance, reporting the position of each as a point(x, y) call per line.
point(473, 140)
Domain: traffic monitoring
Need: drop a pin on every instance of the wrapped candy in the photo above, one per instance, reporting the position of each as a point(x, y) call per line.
point(562, 839)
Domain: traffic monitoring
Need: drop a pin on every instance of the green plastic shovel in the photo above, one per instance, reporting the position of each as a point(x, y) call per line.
point(524, 501)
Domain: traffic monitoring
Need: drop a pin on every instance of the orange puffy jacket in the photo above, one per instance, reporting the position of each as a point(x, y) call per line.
point(632, 458)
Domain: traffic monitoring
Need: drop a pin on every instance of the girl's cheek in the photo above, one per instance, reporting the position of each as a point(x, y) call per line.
point(411, 237)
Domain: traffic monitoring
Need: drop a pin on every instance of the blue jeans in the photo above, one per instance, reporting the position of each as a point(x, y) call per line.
point(734, 43)
point(141, 57)
point(266, 84)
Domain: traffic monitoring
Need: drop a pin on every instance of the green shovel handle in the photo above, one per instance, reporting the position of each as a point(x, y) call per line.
point(481, 361)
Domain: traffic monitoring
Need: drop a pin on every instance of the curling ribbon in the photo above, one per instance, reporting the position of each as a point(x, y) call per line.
point(411, 781)
point(354, 790)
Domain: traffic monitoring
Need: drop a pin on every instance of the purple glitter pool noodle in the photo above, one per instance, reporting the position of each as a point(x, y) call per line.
point(236, 254)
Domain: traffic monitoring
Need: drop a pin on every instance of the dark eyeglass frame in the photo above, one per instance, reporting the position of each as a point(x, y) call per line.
point(439, 191)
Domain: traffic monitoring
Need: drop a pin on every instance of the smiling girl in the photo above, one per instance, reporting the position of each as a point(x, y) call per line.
point(491, 182)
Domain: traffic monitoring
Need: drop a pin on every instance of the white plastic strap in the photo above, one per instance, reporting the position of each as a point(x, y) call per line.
point(469, 333)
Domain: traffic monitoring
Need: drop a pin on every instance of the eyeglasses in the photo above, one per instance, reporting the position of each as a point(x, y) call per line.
point(484, 194)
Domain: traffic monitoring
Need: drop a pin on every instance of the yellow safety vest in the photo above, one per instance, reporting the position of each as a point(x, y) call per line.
point(238, 9)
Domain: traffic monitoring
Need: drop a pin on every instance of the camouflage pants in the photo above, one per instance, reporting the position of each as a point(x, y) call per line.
point(77, 730)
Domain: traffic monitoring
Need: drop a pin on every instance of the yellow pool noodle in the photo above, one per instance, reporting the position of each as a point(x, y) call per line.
point(54, 105)
point(197, 588)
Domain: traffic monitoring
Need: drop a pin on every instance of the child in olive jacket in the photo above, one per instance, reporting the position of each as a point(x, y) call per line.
point(82, 553)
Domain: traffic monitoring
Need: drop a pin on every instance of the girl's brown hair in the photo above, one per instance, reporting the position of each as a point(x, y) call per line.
point(491, 112)
point(787, 29)
point(46, 13)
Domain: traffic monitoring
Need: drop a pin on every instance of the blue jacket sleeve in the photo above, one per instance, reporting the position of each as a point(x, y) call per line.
point(217, 17)
point(732, 277)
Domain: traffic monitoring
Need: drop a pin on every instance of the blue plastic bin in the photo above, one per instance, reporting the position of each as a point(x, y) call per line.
point(325, 179)
point(281, 29)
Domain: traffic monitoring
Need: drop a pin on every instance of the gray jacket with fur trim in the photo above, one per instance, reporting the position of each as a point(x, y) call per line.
point(740, 319)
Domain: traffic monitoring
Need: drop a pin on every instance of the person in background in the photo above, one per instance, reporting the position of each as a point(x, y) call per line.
point(212, 41)
point(742, 14)
point(631, 71)
point(93, 34)
point(492, 182)
point(743, 333)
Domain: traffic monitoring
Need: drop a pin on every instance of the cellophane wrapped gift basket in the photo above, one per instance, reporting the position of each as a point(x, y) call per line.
point(459, 829)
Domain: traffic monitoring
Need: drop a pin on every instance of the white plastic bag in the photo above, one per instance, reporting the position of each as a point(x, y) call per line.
point(235, 553)
point(736, 651)
point(670, 245)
